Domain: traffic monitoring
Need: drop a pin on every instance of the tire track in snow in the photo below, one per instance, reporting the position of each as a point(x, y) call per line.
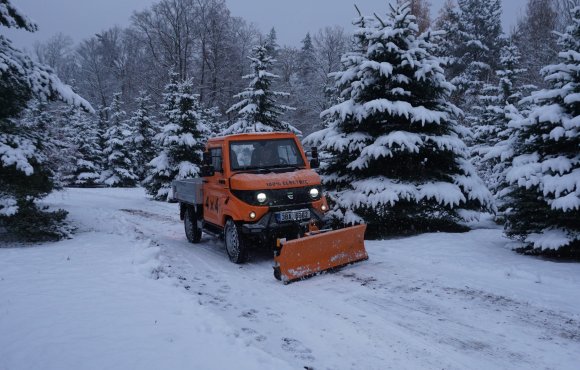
point(182, 260)
point(427, 300)
point(359, 316)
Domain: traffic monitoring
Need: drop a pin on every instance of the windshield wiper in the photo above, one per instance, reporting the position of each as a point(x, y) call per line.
point(267, 168)
point(249, 169)
point(293, 166)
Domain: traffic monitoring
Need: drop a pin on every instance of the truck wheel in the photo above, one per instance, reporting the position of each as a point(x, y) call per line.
point(235, 245)
point(192, 231)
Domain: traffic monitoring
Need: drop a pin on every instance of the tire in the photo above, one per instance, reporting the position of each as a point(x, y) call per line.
point(192, 231)
point(277, 273)
point(235, 243)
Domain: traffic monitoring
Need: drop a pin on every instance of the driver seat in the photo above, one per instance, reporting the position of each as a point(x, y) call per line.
point(234, 159)
point(256, 157)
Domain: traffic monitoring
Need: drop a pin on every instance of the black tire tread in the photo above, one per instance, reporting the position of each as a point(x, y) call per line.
point(243, 250)
point(190, 216)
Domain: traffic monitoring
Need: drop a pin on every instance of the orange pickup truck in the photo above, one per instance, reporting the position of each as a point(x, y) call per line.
point(259, 190)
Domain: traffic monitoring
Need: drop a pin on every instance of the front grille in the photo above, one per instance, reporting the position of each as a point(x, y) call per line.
point(277, 197)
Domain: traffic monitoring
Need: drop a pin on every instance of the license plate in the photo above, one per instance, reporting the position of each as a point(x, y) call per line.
point(298, 215)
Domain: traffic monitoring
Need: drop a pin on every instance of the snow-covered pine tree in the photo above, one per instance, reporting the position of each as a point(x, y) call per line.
point(86, 153)
point(181, 141)
point(305, 89)
point(258, 110)
point(24, 174)
point(144, 129)
point(48, 122)
point(271, 43)
point(492, 150)
point(536, 40)
point(159, 170)
point(306, 58)
point(473, 46)
point(544, 196)
point(37, 115)
point(398, 162)
point(101, 122)
point(119, 167)
point(213, 119)
point(448, 21)
point(62, 154)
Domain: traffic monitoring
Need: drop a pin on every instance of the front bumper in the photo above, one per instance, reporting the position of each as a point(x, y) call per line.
point(267, 229)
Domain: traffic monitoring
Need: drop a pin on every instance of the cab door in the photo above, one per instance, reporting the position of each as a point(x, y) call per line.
point(215, 189)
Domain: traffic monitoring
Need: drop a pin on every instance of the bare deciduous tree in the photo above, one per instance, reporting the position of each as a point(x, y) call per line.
point(58, 53)
point(330, 44)
point(167, 32)
point(96, 83)
point(421, 9)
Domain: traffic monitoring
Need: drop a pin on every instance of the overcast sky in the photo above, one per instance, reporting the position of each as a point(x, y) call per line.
point(291, 18)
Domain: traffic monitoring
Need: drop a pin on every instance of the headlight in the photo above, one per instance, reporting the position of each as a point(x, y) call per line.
point(314, 193)
point(261, 197)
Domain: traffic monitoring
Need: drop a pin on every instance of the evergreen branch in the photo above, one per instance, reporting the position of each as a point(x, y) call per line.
point(380, 20)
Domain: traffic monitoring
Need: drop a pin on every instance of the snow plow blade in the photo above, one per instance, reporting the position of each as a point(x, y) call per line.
point(319, 251)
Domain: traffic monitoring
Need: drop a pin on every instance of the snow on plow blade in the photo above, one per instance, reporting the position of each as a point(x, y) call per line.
point(307, 256)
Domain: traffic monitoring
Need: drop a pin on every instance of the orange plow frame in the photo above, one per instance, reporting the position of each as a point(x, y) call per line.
point(319, 251)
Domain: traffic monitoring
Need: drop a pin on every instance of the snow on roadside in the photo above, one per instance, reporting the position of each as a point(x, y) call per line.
point(93, 303)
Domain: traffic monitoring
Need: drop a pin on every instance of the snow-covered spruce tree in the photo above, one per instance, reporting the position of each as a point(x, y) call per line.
point(181, 141)
point(271, 43)
point(535, 39)
point(306, 58)
point(61, 134)
point(101, 122)
point(213, 119)
point(119, 168)
point(159, 170)
point(24, 174)
point(473, 47)
point(305, 88)
point(493, 139)
point(258, 110)
point(544, 196)
point(49, 122)
point(398, 163)
point(144, 129)
point(37, 116)
point(86, 153)
point(448, 21)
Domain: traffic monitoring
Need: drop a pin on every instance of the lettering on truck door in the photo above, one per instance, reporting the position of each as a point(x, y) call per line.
point(215, 194)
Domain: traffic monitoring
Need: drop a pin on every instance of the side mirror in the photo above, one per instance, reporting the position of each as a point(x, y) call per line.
point(314, 162)
point(206, 160)
point(206, 169)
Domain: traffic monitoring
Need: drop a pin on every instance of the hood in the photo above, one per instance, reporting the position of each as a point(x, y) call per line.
point(285, 180)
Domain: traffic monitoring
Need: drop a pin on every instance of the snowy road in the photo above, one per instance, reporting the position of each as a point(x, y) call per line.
point(435, 301)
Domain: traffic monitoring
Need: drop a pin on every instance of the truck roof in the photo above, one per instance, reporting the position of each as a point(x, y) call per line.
point(254, 135)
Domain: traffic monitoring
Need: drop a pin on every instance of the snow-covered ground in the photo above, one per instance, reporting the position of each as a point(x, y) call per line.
point(129, 292)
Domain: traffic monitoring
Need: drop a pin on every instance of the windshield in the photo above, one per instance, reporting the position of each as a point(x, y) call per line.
point(255, 154)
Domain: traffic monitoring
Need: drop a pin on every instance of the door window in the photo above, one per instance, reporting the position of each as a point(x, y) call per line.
point(216, 159)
